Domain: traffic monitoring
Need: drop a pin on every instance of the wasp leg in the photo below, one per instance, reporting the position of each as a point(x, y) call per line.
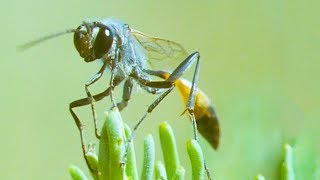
point(191, 104)
point(176, 74)
point(127, 90)
point(91, 81)
point(161, 74)
point(169, 84)
point(166, 84)
point(150, 109)
point(112, 85)
point(84, 102)
point(113, 79)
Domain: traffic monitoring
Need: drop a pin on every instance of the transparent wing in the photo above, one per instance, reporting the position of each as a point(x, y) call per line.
point(162, 54)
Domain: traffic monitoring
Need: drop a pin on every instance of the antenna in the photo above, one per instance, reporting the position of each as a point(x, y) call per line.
point(44, 38)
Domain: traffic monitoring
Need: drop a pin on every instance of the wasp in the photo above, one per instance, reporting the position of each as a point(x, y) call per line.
point(141, 60)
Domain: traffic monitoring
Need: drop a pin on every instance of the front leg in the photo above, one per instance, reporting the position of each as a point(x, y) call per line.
point(91, 81)
point(79, 103)
point(84, 102)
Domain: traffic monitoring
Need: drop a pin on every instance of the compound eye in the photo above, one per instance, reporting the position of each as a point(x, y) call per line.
point(103, 42)
point(77, 40)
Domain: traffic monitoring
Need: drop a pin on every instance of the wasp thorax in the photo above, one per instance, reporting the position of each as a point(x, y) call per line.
point(93, 40)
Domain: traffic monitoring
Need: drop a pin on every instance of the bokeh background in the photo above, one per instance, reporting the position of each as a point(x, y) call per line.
point(260, 66)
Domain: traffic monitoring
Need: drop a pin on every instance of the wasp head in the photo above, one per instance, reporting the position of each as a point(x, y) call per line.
point(93, 40)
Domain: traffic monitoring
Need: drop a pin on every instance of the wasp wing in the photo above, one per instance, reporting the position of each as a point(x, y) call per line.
point(162, 54)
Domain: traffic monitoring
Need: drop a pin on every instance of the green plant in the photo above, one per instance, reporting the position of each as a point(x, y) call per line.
point(112, 148)
point(297, 162)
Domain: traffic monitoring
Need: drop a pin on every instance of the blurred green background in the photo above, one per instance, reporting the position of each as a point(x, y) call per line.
point(260, 66)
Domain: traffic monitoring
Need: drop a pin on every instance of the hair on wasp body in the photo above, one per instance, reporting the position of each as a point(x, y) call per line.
point(131, 56)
